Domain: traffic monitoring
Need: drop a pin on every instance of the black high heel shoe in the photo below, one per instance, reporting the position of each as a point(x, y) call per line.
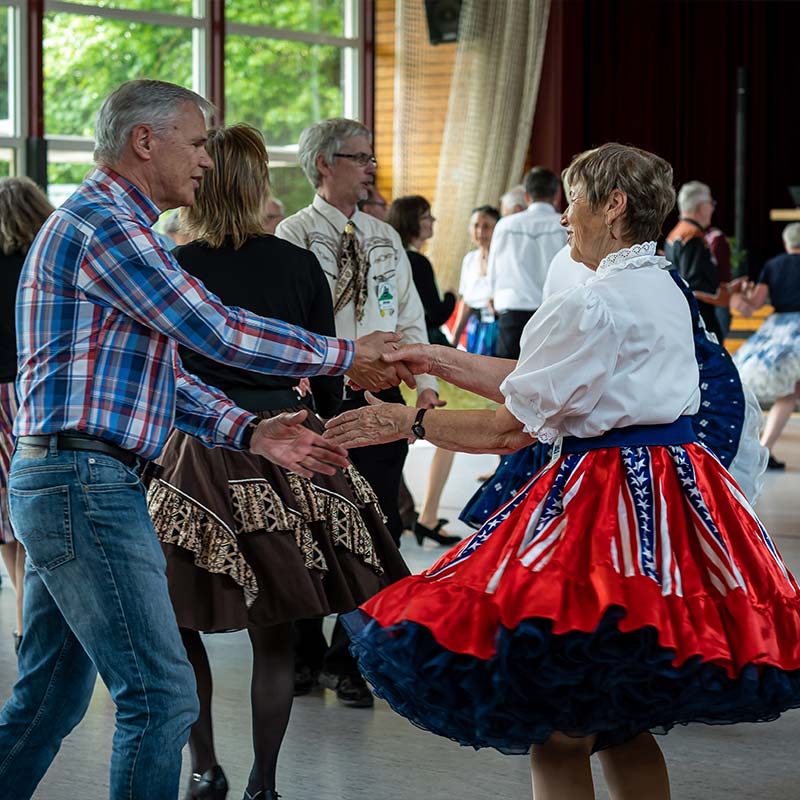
point(262, 794)
point(211, 785)
point(421, 533)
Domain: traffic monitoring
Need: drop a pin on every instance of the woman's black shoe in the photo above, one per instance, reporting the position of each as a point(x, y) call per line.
point(17, 641)
point(773, 463)
point(211, 785)
point(422, 533)
point(261, 794)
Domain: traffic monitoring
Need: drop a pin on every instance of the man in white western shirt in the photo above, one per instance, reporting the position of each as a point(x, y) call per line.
point(523, 245)
point(372, 287)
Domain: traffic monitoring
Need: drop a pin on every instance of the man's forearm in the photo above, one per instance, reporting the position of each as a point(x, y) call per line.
point(478, 374)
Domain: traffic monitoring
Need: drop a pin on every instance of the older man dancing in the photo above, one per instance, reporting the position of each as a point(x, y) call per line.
point(101, 308)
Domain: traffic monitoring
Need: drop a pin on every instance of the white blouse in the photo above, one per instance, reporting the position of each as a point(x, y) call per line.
point(613, 352)
point(474, 288)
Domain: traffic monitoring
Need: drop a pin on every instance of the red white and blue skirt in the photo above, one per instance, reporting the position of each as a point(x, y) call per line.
point(627, 587)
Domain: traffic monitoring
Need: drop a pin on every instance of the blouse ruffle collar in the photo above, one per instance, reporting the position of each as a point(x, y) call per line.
point(633, 257)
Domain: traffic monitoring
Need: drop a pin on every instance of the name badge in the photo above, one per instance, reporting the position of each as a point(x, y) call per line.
point(387, 302)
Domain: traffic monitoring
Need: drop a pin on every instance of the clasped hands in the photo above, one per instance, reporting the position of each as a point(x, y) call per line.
point(378, 364)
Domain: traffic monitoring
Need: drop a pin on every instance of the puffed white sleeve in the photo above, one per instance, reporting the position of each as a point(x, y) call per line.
point(568, 351)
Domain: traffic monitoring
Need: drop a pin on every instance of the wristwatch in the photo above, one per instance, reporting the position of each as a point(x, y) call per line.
point(417, 428)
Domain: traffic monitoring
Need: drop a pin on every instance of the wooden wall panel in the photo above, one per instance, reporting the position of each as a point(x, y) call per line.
point(432, 94)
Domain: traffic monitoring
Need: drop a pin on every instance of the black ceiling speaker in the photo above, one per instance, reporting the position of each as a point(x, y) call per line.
point(443, 20)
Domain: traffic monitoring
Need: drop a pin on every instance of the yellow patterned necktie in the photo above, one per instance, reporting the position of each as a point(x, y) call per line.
point(351, 284)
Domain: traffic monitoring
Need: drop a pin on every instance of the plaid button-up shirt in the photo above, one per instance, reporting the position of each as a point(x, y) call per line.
point(101, 308)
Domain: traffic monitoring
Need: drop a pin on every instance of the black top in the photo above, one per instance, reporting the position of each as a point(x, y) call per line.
point(782, 275)
point(273, 278)
point(10, 269)
point(437, 309)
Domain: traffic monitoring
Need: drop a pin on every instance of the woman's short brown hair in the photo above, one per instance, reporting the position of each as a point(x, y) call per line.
point(23, 209)
point(645, 178)
point(404, 213)
point(232, 197)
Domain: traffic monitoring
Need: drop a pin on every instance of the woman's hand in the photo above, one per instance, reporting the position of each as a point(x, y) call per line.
point(376, 423)
point(421, 359)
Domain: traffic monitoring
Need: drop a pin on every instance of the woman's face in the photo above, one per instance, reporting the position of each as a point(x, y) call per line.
point(587, 234)
point(481, 227)
point(426, 225)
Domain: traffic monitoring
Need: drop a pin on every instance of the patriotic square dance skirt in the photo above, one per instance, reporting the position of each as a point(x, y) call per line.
point(622, 589)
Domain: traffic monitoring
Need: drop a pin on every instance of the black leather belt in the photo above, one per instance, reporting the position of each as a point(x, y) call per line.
point(76, 440)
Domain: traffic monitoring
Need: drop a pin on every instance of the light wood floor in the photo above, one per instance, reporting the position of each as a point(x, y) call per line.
point(335, 753)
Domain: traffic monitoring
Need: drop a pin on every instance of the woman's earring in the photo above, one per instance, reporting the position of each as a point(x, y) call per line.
point(610, 230)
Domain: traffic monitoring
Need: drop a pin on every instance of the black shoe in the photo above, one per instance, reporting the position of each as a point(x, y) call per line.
point(17, 641)
point(211, 785)
point(354, 693)
point(773, 463)
point(262, 794)
point(305, 681)
point(422, 533)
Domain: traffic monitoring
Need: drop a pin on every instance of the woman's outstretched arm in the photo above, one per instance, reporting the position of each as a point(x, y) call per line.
point(481, 375)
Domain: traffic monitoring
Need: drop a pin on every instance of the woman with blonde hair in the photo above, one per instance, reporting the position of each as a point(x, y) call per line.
point(248, 544)
point(628, 586)
point(23, 209)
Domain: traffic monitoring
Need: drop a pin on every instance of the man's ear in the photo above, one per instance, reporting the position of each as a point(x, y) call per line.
point(142, 140)
point(322, 166)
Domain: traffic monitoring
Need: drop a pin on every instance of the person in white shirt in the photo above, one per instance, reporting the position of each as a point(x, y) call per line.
point(522, 247)
point(513, 201)
point(372, 287)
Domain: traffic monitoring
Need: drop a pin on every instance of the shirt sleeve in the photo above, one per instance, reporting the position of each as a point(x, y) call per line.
point(463, 280)
point(569, 348)
point(206, 413)
point(291, 230)
point(132, 272)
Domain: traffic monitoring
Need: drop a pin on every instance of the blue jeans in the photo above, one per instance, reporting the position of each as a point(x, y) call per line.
point(96, 600)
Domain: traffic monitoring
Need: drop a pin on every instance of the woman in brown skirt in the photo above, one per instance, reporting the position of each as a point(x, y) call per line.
point(249, 545)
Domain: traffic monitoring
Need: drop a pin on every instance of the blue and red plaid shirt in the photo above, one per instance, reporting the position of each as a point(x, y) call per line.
point(101, 309)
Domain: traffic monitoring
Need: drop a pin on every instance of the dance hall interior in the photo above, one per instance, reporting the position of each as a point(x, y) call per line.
point(399, 399)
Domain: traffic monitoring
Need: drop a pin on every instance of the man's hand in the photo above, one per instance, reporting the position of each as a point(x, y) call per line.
point(370, 371)
point(376, 423)
point(428, 398)
point(286, 442)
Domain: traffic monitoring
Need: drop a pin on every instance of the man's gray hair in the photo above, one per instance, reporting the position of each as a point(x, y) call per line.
point(515, 196)
point(172, 224)
point(691, 195)
point(140, 102)
point(326, 137)
point(791, 236)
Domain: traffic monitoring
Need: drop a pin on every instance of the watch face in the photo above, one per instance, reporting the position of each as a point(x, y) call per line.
point(418, 430)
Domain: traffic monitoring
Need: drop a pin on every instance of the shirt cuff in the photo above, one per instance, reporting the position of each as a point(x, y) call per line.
point(427, 382)
point(233, 428)
point(339, 355)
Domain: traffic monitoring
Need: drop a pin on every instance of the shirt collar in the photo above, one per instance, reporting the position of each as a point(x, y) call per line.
point(538, 207)
point(336, 218)
point(124, 191)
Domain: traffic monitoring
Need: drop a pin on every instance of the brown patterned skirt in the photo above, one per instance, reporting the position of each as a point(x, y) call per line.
point(248, 543)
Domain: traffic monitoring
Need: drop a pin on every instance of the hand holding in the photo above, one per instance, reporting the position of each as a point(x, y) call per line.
point(420, 359)
point(376, 423)
point(285, 441)
point(370, 371)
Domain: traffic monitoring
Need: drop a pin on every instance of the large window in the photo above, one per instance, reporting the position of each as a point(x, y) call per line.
point(287, 64)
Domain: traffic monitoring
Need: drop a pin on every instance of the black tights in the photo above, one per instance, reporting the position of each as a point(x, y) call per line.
point(271, 694)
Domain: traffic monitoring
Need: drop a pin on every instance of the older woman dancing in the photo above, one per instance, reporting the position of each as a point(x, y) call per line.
point(628, 586)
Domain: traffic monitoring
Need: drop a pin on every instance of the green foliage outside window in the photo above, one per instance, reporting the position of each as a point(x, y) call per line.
point(279, 86)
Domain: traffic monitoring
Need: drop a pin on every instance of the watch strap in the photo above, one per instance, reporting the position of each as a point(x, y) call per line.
point(417, 428)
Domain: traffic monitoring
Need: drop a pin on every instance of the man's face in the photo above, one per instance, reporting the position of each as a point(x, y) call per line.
point(273, 214)
point(179, 159)
point(375, 205)
point(347, 179)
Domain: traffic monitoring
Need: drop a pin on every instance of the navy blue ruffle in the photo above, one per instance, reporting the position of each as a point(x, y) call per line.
point(512, 474)
point(609, 683)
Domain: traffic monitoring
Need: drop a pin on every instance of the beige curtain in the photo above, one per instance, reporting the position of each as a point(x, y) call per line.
point(487, 133)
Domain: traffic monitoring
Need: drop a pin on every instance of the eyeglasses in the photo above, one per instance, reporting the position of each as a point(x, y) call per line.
point(362, 159)
point(429, 216)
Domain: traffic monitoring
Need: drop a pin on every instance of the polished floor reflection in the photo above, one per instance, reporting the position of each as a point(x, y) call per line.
point(335, 753)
